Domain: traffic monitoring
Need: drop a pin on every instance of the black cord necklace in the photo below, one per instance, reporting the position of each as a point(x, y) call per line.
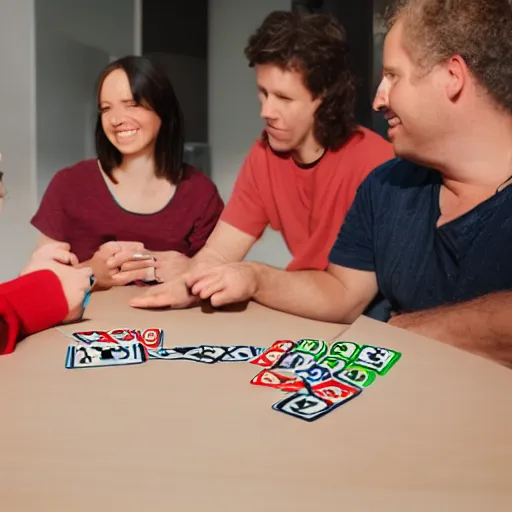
point(504, 183)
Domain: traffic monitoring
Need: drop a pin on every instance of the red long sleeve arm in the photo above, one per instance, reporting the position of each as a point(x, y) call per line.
point(29, 304)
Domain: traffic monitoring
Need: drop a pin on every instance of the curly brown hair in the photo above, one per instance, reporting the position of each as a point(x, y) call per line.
point(314, 45)
point(480, 31)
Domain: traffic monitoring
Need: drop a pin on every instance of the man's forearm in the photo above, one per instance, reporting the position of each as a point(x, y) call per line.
point(308, 293)
point(208, 256)
point(482, 326)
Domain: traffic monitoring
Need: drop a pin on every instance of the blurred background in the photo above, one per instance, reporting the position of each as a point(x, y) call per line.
point(51, 52)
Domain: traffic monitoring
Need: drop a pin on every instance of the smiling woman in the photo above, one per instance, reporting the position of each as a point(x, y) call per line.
point(138, 192)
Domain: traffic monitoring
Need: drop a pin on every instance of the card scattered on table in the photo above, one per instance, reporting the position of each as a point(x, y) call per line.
point(320, 377)
point(104, 354)
point(316, 377)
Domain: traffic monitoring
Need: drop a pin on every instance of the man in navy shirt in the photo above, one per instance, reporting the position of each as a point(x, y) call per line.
point(432, 229)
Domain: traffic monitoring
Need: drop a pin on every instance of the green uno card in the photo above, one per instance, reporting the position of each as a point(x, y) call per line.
point(345, 350)
point(317, 348)
point(357, 375)
point(378, 359)
point(335, 364)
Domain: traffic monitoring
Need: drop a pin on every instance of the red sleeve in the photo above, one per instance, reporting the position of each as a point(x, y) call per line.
point(29, 304)
point(50, 218)
point(245, 209)
point(204, 225)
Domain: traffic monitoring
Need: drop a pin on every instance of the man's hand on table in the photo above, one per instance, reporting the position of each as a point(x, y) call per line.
point(170, 269)
point(160, 266)
point(223, 284)
point(185, 285)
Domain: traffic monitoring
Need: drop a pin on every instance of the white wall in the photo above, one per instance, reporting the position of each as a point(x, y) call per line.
point(17, 131)
point(233, 109)
point(73, 34)
point(66, 106)
point(104, 24)
point(75, 40)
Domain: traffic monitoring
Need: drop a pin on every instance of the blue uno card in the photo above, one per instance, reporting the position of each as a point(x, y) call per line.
point(104, 354)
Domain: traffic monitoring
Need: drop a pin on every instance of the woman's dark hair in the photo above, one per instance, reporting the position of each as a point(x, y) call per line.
point(151, 88)
point(316, 46)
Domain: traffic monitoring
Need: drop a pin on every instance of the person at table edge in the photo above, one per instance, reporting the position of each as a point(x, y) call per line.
point(48, 291)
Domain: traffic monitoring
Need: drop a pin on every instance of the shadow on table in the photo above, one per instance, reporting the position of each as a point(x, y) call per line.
point(206, 307)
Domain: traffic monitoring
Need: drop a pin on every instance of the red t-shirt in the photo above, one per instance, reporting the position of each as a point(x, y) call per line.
point(29, 304)
point(78, 208)
point(309, 205)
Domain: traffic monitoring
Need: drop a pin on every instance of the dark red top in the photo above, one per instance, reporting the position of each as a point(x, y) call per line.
point(78, 208)
point(29, 304)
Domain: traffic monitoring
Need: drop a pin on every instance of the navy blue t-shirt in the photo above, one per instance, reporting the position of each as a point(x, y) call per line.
point(391, 230)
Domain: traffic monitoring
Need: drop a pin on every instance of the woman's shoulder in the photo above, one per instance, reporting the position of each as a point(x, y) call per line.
point(77, 171)
point(196, 179)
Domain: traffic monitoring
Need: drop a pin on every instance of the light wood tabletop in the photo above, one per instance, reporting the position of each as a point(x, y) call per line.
point(431, 435)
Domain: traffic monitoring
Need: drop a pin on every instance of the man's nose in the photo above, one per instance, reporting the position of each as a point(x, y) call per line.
point(267, 110)
point(381, 100)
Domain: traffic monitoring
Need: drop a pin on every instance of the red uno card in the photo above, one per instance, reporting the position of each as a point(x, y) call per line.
point(125, 335)
point(283, 380)
point(270, 357)
point(94, 337)
point(152, 338)
point(333, 391)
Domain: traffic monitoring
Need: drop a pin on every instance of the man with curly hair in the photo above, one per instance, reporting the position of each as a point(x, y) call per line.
point(300, 176)
point(431, 229)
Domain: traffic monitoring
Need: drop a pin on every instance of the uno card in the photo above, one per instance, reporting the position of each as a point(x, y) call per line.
point(93, 337)
point(314, 373)
point(334, 391)
point(240, 354)
point(125, 335)
point(87, 296)
point(317, 348)
point(357, 375)
point(345, 350)
point(378, 359)
point(199, 354)
point(151, 275)
point(334, 364)
point(307, 406)
point(104, 354)
point(270, 356)
point(278, 379)
point(152, 338)
point(295, 361)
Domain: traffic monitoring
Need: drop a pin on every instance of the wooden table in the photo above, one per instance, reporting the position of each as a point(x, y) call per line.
point(432, 435)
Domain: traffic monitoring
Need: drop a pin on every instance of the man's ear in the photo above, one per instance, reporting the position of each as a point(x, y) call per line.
point(458, 73)
point(319, 99)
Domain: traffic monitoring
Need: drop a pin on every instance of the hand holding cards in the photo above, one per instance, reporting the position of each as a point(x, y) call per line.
point(76, 282)
point(136, 267)
point(108, 260)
